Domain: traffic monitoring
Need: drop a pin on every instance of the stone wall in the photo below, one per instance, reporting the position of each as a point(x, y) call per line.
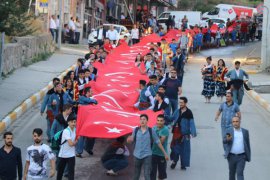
point(24, 50)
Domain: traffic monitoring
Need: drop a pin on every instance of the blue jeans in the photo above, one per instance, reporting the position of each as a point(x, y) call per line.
point(238, 95)
point(185, 53)
point(164, 56)
point(53, 32)
point(223, 134)
point(116, 164)
point(243, 38)
point(173, 105)
point(85, 143)
point(48, 131)
point(146, 163)
point(181, 150)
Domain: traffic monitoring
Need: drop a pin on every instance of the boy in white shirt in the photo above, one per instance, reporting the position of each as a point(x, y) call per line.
point(67, 149)
point(37, 157)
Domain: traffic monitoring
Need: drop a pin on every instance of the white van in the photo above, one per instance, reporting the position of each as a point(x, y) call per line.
point(229, 11)
point(193, 17)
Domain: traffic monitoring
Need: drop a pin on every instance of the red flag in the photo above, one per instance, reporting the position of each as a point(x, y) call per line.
point(204, 30)
point(223, 30)
point(116, 93)
point(109, 123)
point(214, 28)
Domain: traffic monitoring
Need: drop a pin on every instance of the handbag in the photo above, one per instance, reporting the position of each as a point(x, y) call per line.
point(50, 116)
point(177, 136)
point(144, 105)
point(222, 42)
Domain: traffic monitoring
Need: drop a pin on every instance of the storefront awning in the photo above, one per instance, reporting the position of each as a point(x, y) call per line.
point(99, 5)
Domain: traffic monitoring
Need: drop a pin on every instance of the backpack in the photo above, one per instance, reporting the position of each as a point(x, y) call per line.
point(154, 70)
point(150, 132)
point(56, 141)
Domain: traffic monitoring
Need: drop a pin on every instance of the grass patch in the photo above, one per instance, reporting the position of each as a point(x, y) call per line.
point(8, 74)
point(38, 58)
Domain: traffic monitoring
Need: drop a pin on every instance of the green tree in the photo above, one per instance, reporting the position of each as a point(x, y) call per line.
point(14, 19)
point(200, 6)
point(184, 4)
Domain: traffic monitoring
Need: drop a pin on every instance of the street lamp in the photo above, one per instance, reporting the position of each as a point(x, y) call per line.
point(60, 25)
point(265, 39)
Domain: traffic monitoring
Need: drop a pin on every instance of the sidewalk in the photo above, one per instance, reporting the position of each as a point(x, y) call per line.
point(260, 83)
point(26, 81)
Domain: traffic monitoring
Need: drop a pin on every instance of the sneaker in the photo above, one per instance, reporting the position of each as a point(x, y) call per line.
point(111, 173)
point(173, 165)
point(79, 155)
point(183, 168)
point(90, 153)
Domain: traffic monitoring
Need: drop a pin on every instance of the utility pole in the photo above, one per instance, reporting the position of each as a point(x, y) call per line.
point(265, 53)
point(60, 25)
point(2, 53)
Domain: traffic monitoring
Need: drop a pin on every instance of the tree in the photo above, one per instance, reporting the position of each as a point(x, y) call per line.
point(184, 4)
point(14, 20)
point(200, 6)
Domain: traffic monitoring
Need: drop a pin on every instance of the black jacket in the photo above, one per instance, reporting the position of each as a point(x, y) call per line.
point(163, 106)
point(10, 164)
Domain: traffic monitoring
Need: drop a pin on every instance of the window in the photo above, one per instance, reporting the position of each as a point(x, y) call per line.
point(214, 11)
point(160, 21)
point(164, 15)
point(117, 28)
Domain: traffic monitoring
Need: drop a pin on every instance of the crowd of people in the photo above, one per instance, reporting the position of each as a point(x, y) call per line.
point(164, 65)
point(70, 32)
point(206, 34)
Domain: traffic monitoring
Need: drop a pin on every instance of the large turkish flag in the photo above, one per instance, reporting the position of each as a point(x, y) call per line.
point(116, 93)
point(109, 123)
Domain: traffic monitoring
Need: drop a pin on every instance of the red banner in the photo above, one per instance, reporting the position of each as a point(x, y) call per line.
point(116, 93)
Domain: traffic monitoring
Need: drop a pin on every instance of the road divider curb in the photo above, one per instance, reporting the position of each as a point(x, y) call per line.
point(262, 102)
point(29, 102)
point(252, 71)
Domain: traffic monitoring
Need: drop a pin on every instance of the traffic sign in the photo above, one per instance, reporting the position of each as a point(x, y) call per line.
point(43, 3)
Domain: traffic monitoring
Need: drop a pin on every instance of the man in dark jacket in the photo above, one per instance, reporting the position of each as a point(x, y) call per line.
point(237, 150)
point(179, 63)
point(10, 159)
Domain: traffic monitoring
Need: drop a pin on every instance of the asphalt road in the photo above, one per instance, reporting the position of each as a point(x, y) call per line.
point(207, 161)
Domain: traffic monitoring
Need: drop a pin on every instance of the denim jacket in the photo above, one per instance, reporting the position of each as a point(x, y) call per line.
point(83, 100)
point(56, 127)
point(67, 99)
point(187, 124)
point(54, 108)
point(45, 101)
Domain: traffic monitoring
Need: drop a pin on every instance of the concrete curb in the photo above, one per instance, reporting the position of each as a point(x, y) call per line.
point(262, 102)
point(253, 71)
point(28, 103)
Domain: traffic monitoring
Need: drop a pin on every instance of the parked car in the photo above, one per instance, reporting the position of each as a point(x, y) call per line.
point(216, 21)
point(122, 31)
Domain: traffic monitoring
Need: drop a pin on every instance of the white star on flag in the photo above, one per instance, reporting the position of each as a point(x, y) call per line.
point(114, 130)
